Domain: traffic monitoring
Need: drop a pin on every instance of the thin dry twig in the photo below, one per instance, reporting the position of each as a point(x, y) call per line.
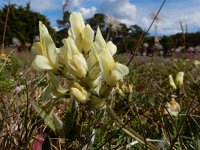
point(142, 37)
point(5, 27)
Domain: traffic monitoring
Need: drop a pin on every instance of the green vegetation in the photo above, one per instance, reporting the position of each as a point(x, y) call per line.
point(143, 111)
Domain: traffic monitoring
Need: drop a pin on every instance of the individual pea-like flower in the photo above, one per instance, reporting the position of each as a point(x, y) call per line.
point(96, 48)
point(100, 43)
point(82, 34)
point(171, 82)
point(172, 108)
point(197, 63)
point(179, 80)
point(79, 93)
point(74, 60)
point(47, 53)
point(111, 71)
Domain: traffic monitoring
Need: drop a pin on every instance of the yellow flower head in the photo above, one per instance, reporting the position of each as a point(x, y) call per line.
point(3, 55)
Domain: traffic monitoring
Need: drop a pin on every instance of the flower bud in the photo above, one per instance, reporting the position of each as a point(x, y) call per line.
point(130, 88)
point(124, 88)
point(197, 63)
point(171, 82)
point(179, 79)
point(118, 90)
point(79, 93)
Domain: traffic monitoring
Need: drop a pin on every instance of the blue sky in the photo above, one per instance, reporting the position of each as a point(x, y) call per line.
point(126, 11)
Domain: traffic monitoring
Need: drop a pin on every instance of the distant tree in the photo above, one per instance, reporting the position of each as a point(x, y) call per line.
point(22, 24)
point(150, 41)
point(60, 35)
point(135, 31)
point(98, 20)
point(134, 34)
point(63, 25)
point(64, 22)
point(167, 43)
point(178, 40)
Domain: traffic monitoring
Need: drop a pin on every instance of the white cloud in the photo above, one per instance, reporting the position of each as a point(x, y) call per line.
point(171, 17)
point(75, 3)
point(145, 22)
point(45, 5)
point(170, 23)
point(88, 12)
point(122, 10)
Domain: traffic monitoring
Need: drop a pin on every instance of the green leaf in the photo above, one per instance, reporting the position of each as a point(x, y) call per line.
point(70, 117)
point(46, 95)
point(58, 125)
point(45, 116)
point(59, 91)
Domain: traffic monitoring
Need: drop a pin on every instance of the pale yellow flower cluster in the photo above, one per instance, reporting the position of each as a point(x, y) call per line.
point(173, 107)
point(87, 57)
point(179, 80)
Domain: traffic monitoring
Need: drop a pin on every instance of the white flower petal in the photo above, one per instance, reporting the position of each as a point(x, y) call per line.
point(77, 27)
point(99, 39)
point(106, 63)
point(119, 71)
point(112, 47)
point(171, 82)
point(179, 79)
point(88, 36)
point(78, 64)
point(79, 93)
point(74, 59)
point(41, 63)
point(93, 57)
point(51, 50)
point(77, 24)
point(43, 32)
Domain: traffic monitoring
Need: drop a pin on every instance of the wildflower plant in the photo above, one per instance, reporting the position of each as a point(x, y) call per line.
point(173, 108)
point(89, 62)
point(179, 81)
point(85, 60)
